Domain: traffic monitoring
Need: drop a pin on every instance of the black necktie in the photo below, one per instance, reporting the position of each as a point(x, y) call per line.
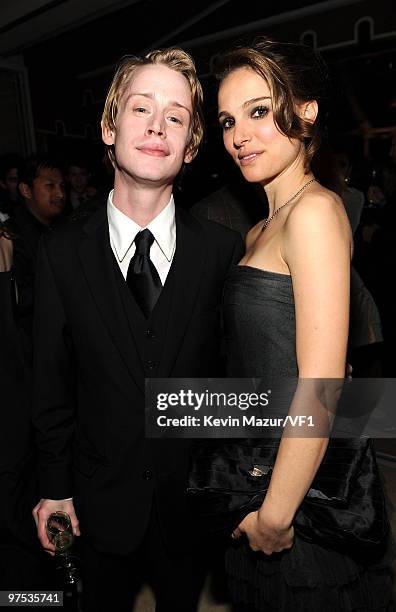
point(142, 277)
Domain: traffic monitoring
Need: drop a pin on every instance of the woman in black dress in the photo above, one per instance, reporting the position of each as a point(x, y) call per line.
point(286, 312)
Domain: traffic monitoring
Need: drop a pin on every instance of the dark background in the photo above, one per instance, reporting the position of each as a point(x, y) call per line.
point(67, 52)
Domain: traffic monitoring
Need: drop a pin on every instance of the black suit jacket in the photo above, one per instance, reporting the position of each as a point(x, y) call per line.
point(16, 456)
point(23, 563)
point(90, 370)
point(28, 231)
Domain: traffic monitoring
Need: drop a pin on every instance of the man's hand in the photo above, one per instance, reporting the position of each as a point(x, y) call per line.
point(41, 512)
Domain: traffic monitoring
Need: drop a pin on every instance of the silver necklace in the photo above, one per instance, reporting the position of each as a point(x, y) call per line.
point(268, 221)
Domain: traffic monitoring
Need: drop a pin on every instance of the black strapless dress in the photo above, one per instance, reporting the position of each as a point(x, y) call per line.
point(259, 321)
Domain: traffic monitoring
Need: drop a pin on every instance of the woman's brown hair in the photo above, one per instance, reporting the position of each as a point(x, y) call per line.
point(295, 74)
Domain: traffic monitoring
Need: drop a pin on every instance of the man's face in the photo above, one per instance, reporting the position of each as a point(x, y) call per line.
point(46, 198)
point(152, 126)
point(10, 183)
point(78, 178)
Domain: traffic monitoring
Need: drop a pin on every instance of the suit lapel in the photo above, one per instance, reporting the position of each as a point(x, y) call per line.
point(98, 263)
point(188, 265)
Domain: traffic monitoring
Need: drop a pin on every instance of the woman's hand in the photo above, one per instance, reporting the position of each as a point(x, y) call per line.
point(265, 533)
point(5, 253)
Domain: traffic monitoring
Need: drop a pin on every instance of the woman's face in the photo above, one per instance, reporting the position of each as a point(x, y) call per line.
point(250, 135)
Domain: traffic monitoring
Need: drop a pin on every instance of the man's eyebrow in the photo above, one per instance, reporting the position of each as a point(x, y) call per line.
point(247, 103)
point(151, 96)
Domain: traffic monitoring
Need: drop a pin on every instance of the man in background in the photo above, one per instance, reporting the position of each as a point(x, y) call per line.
point(42, 201)
point(10, 166)
point(78, 177)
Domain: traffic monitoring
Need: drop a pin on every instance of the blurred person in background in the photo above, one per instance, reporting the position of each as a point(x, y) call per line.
point(78, 179)
point(42, 193)
point(23, 565)
point(10, 166)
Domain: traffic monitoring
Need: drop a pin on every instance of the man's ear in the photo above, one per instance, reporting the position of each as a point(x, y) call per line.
point(107, 134)
point(309, 111)
point(189, 156)
point(25, 191)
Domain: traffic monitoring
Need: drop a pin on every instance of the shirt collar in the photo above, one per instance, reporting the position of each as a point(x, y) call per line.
point(123, 229)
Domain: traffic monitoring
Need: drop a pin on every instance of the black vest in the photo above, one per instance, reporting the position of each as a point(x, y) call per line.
point(149, 334)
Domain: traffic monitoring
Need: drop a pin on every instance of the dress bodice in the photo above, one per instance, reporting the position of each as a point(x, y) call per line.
point(259, 321)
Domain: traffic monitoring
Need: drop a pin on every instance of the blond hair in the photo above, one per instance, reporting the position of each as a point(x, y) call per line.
point(173, 58)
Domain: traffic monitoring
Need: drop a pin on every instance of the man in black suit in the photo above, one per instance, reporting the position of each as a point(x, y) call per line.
point(42, 201)
point(132, 292)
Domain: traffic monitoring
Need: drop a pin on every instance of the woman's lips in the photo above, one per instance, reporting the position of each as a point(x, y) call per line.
point(246, 159)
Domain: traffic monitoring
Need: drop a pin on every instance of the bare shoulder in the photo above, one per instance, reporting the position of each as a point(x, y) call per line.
point(319, 209)
point(253, 234)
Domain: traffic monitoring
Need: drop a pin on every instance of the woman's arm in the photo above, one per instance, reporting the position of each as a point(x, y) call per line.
point(5, 253)
point(316, 248)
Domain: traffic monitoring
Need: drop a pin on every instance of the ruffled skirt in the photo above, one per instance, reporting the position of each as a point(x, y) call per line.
point(307, 578)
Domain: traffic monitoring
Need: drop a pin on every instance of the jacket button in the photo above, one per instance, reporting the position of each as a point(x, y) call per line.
point(151, 334)
point(150, 365)
point(147, 475)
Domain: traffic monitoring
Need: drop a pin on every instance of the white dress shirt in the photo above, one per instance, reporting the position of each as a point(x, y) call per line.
point(123, 231)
